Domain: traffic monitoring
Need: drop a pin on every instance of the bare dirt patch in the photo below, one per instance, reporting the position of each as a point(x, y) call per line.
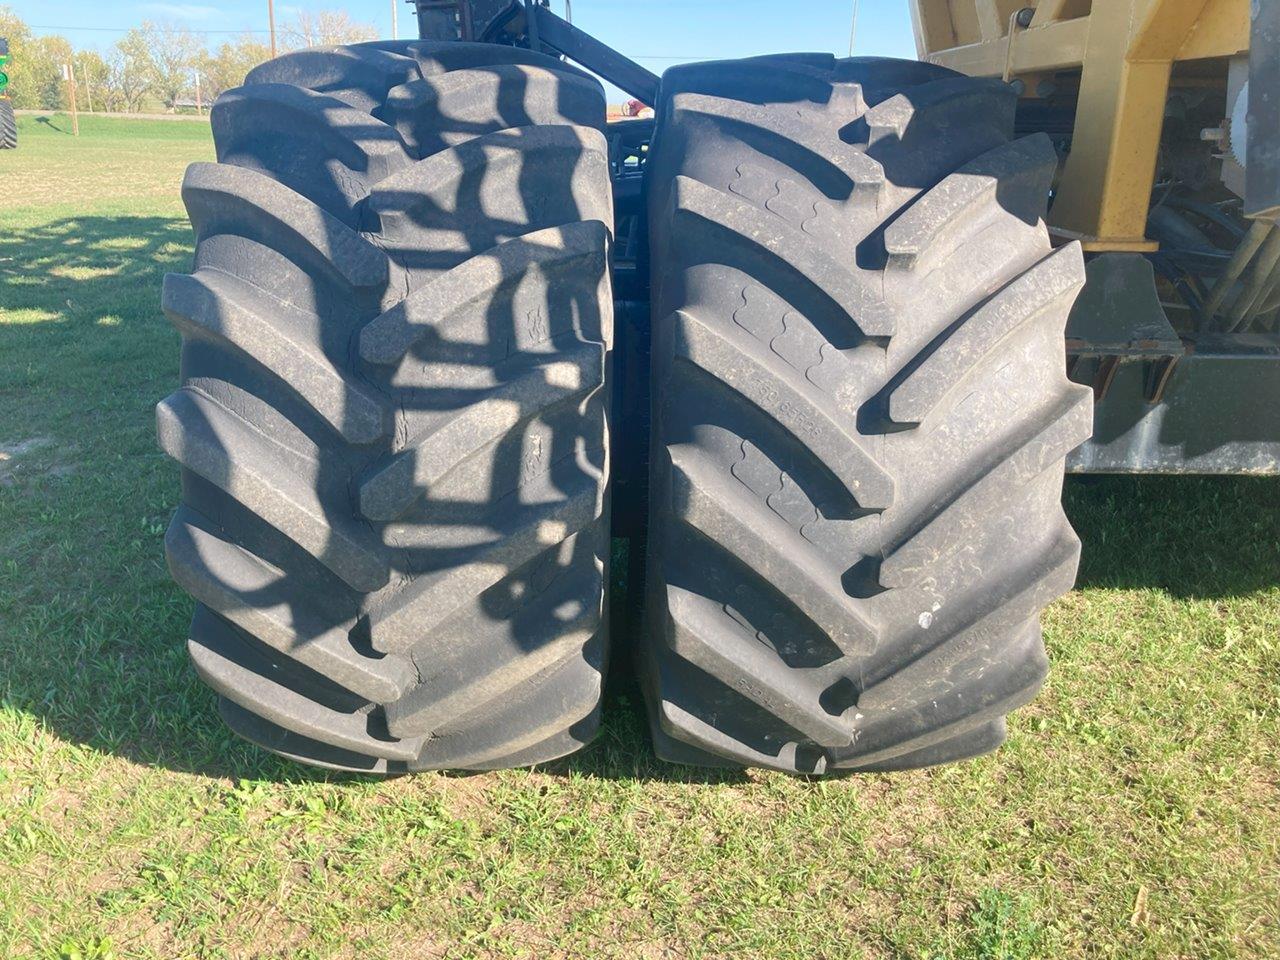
point(29, 458)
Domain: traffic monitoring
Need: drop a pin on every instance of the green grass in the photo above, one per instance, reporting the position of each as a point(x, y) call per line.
point(1135, 811)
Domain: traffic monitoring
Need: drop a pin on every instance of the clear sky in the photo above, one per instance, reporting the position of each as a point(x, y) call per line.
point(658, 33)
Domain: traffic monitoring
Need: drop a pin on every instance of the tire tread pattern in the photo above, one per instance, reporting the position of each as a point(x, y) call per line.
point(392, 423)
point(860, 415)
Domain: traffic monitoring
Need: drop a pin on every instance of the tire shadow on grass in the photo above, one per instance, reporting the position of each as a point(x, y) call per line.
point(1192, 537)
point(93, 638)
point(95, 631)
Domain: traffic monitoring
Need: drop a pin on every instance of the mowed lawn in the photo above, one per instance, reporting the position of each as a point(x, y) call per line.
point(1135, 811)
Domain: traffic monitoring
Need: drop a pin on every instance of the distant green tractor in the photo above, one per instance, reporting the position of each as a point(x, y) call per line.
point(8, 124)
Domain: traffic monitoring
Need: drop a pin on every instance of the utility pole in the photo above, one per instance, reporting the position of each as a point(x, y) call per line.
point(395, 19)
point(853, 27)
point(69, 74)
point(271, 20)
point(199, 104)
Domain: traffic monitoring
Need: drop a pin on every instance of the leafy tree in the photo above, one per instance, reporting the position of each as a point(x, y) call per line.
point(45, 57)
point(226, 68)
point(21, 86)
point(153, 62)
point(92, 72)
point(326, 27)
point(128, 72)
point(171, 56)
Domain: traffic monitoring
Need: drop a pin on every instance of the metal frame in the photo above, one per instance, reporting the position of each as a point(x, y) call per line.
point(1262, 178)
point(445, 19)
point(582, 48)
point(530, 23)
point(1125, 51)
point(1214, 418)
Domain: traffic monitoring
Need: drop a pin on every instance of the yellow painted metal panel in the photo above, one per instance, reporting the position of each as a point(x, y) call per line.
point(1125, 50)
point(964, 21)
point(1159, 28)
point(1094, 245)
point(1150, 29)
point(931, 21)
point(1055, 46)
point(989, 20)
point(918, 30)
point(1106, 186)
point(1048, 11)
point(1221, 31)
point(994, 15)
point(1154, 29)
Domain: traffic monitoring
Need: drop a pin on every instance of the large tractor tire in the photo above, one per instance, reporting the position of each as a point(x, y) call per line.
point(392, 417)
point(8, 125)
point(860, 415)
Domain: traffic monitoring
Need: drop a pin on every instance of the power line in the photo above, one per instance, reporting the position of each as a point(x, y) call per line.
point(638, 56)
point(38, 26)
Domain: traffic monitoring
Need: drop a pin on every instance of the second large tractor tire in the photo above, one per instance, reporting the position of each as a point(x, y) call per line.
point(392, 418)
point(860, 414)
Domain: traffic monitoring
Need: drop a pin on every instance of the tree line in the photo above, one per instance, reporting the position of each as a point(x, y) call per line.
point(155, 66)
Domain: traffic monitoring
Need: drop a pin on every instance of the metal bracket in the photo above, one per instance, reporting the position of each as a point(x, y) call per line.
point(1218, 416)
point(529, 23)
point(1118, 319)
point(1156, 378)
point(601, 59)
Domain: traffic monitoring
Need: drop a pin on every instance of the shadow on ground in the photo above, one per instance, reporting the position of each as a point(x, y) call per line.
point(48, 122)
point(92, 642)
point(1191, 537)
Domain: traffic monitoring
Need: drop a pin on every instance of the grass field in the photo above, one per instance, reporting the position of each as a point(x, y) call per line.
point(1135, 811)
